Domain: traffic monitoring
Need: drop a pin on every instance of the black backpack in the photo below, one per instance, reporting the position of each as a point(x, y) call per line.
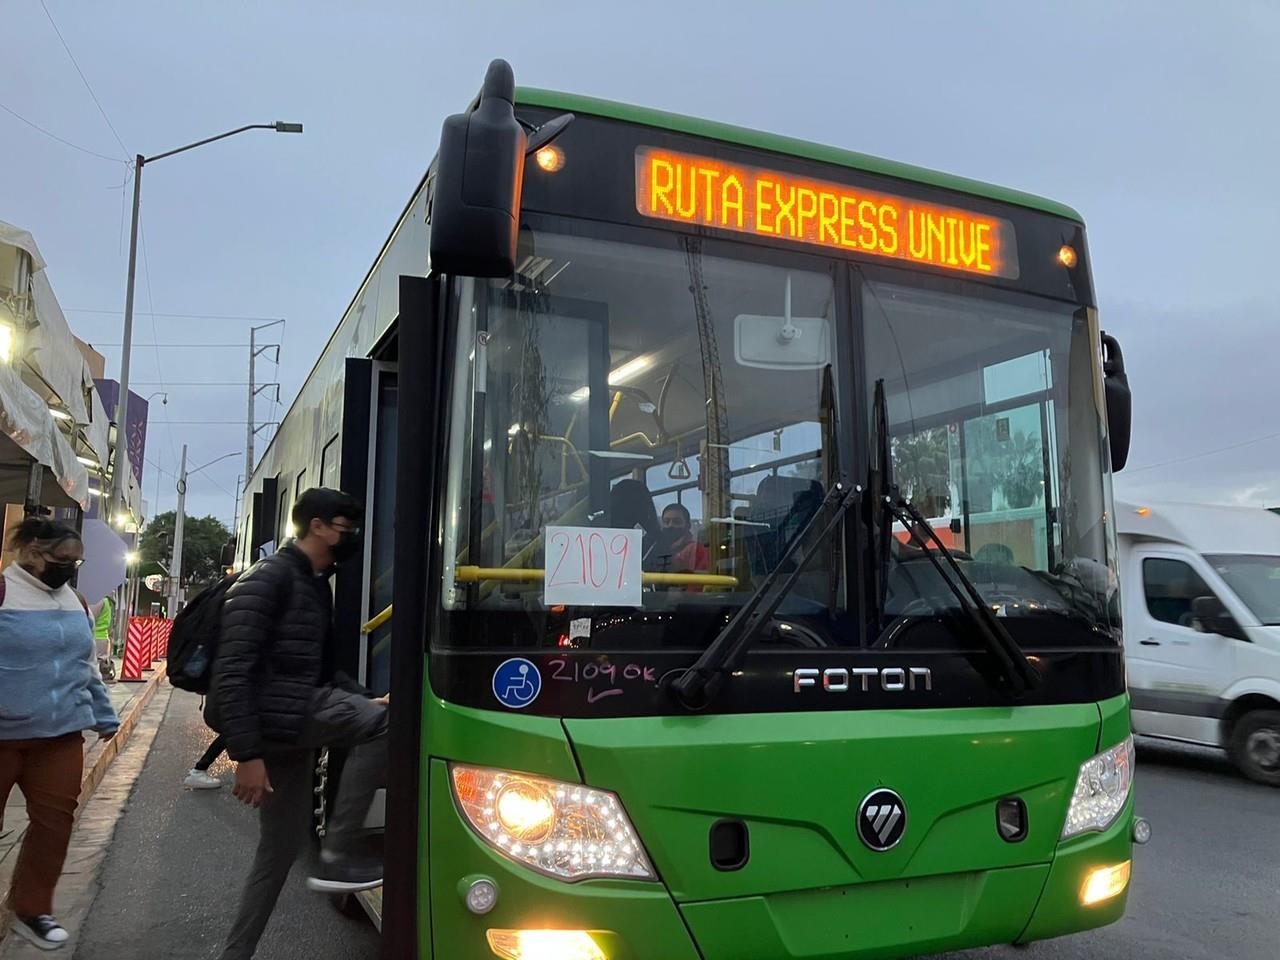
point(193, 640)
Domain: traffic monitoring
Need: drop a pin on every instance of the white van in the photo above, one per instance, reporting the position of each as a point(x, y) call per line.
point(1201, 588)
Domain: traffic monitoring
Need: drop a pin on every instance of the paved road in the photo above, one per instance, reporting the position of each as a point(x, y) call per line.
point(176, 864)
point(1204, 889)
point(1206, 886)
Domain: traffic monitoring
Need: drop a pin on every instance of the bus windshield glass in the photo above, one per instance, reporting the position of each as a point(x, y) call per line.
point(996, 435)
point(641, 422)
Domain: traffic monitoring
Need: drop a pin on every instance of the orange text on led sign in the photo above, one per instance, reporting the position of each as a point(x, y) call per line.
point(698, 190)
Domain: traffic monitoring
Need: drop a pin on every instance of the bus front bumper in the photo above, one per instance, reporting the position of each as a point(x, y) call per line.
point(628, 920)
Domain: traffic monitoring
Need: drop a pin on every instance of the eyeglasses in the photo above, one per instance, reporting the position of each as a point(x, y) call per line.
point(345, 529)
point(63, 562)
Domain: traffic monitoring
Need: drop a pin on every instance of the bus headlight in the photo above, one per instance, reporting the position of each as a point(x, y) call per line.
point(564, 830)
point(1102, 788)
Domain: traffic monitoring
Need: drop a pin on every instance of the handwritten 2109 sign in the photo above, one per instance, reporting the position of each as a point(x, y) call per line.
point(593, 567)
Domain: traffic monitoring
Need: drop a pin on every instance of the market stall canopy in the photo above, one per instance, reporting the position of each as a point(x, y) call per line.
point(28, 426)
point(47, 370)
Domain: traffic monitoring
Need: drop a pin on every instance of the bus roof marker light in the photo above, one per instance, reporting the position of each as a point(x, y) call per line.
point(550, 159)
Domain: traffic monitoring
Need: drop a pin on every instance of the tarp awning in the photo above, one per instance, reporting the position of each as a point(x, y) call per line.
point(25, 419)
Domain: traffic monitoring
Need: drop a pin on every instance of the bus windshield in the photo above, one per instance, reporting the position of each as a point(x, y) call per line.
point(690, 391)
point(996, 433)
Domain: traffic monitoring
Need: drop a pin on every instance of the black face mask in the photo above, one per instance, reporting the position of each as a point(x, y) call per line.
point(348, 546)
point(57, 575)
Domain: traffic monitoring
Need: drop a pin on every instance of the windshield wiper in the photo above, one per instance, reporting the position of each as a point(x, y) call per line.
point(1015, 670)
point(700, 683)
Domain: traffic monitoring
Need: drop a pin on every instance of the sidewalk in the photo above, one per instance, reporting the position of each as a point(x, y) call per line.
point(128, 698)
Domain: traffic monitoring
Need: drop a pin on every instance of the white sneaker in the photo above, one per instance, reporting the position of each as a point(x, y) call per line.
point(199, 780)
point(45, 932)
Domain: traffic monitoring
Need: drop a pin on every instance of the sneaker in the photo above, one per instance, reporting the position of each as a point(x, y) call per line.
point(337, 874)
point(199, 780)
point(43, 931)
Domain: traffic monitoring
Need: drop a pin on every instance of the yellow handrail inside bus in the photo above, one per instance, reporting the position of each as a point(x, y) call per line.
point(469, 574)
point(377, 621)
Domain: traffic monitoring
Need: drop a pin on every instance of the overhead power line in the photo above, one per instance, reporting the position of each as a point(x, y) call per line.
point(202, 346)
point(85, 80)
point(1204, 453)
point(53, 136)
point(171, 316)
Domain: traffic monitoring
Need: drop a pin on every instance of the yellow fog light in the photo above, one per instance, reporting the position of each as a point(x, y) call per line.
point(1103, 883)
point(544, 945)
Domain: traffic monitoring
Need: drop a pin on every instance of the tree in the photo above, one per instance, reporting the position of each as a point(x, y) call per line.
point(922, 469)
point(1022, 474)
point(202, 542)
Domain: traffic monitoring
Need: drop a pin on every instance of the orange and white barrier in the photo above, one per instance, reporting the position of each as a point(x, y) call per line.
point(136, 650)
point(146, 641)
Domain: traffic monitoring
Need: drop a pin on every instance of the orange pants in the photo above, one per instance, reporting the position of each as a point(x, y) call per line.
point(48, 772)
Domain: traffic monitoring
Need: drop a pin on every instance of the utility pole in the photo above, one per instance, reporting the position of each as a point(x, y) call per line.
point(119, 486)
point(251, 427)
point(115, 500)
point(179, 521)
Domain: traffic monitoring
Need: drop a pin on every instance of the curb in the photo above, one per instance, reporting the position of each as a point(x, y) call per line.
point(100, 755)
point(96, 761)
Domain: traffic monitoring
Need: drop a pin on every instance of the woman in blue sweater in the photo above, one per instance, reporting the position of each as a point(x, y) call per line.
point(50, 691)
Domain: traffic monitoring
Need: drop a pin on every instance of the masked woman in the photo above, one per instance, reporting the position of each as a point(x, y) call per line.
point(50, 692)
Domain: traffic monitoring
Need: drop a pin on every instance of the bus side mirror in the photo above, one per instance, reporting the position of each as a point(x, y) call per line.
point(475, 203)
point(228, 558)
point(1119, 401)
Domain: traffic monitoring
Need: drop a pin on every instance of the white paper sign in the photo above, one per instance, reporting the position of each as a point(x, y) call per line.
point(593, 567)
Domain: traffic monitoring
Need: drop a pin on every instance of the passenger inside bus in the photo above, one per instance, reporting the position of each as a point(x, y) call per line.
point(687, 554)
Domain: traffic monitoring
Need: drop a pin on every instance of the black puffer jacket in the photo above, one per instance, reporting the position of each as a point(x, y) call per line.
point(273, 652)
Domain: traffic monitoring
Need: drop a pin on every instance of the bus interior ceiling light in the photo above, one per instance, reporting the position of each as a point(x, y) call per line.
point(619, 375)
point(564, 830)
point(544, 945)
point(1102, 788)
point(1067, 256)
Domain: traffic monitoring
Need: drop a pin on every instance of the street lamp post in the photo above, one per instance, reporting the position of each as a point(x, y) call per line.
point(179, 522)
point(116, 501)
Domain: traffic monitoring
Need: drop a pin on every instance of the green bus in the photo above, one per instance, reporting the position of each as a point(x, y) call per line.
point(739, 553)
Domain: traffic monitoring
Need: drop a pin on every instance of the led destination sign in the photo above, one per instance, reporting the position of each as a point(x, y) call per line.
point(698, 190)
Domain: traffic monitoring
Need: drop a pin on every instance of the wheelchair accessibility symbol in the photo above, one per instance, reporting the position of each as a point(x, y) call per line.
point(516, 683)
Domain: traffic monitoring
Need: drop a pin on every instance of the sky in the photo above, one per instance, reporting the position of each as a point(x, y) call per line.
point(1154, 120)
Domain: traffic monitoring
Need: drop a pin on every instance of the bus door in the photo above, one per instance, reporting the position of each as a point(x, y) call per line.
point(379, 526)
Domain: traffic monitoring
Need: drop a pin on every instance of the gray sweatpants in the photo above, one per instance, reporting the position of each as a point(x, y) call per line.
point(336, 719)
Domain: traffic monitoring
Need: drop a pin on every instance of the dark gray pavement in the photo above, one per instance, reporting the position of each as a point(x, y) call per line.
point(1207, 887)
point(173, 873)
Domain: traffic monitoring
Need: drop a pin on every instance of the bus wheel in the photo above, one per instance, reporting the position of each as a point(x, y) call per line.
point(1255, 746)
